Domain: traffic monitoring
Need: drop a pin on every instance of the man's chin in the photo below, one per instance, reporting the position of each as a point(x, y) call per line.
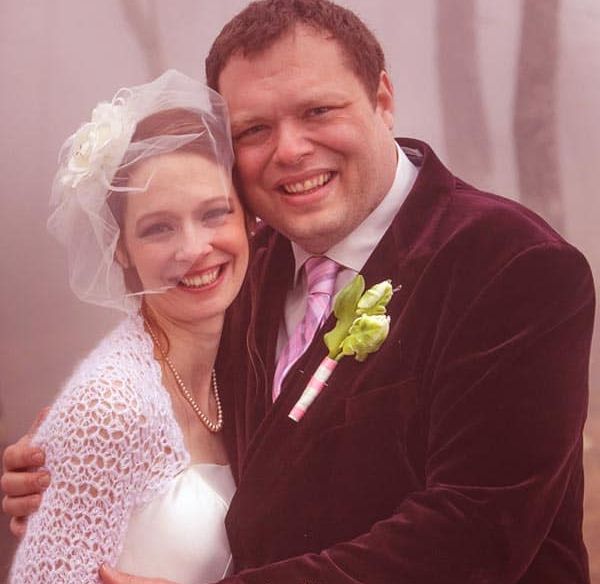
point(315, 237)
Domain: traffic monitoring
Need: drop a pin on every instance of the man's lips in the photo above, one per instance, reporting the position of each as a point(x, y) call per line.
point(306, 184)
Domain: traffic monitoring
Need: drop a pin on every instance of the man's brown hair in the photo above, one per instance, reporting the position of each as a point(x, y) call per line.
point(264, 22)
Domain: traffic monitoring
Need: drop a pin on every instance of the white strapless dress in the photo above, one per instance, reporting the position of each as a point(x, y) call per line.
point(180, 535)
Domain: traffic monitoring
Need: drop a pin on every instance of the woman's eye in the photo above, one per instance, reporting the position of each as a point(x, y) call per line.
point(249, 132)
point(156, 229)
point(216, 216)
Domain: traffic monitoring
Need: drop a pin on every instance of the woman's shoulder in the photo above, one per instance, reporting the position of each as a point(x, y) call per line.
point(115, 403)
point(126, 347)
point(118, 379)
point(122, 364)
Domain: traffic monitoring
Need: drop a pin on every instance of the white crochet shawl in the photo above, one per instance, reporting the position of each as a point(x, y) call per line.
point(112, 444)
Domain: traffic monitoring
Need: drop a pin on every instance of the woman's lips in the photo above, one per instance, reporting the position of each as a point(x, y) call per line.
point(201, 280)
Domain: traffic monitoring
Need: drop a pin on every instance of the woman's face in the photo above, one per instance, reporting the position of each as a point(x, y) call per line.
point(185, 232)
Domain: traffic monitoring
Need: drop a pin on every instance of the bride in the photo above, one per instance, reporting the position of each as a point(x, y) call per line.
point(152, 224)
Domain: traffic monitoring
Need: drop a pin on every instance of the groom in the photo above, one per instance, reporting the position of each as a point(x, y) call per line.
point(454, 453)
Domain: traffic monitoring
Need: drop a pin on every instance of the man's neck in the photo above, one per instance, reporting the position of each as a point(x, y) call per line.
point(354, 249)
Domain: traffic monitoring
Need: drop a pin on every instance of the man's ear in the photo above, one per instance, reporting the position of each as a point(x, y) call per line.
point(384, 99)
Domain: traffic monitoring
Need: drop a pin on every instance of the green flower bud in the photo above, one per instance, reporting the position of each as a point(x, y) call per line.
point(344, 308)
point(346, 300)
point(375, 299)
point(366, 335)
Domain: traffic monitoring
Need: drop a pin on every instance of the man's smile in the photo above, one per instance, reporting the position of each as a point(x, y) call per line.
point(308, 184)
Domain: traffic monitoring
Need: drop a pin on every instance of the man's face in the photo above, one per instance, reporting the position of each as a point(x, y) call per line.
point(315, 155)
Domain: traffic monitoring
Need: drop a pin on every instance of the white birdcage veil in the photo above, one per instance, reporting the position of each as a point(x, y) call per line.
point(92, 160)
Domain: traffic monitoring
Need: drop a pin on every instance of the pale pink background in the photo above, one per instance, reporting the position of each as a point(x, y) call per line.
point(59, 57)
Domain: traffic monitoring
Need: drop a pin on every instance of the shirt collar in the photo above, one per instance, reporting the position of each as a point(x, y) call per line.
point(354, 250)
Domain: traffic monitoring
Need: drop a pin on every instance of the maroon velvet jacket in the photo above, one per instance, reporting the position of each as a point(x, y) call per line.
point(454, 454)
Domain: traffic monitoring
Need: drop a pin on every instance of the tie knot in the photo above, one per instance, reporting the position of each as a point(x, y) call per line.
point(320, 274)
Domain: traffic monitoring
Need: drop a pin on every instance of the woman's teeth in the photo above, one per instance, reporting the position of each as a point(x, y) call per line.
point(307, 185)
point(200, 280)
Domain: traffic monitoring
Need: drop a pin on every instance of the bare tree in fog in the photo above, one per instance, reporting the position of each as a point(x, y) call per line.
point(535, 130)
point(142, 18)
point(463, 116)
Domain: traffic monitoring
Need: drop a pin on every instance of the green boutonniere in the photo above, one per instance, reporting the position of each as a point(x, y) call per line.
point(361, 328)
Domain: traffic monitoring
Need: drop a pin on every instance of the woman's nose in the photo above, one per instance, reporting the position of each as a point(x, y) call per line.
point(194, 243)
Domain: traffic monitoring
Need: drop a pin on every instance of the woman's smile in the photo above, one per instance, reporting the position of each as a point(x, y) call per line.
point(202, 280)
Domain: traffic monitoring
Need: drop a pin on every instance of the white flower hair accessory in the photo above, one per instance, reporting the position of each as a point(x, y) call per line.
point(88, 174)
point(99, 146)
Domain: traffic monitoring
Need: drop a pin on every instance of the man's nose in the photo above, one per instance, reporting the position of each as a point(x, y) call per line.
point(292, 144)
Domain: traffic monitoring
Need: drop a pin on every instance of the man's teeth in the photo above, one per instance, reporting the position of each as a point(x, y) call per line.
point(200, 280)
point(308, 184)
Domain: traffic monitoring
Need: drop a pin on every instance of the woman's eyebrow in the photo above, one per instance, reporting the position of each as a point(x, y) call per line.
point(166, 212)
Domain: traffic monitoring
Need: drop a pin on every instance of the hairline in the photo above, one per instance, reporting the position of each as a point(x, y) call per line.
point(325, 33)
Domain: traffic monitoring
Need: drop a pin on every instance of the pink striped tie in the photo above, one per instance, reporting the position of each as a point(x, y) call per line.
point(320, 273)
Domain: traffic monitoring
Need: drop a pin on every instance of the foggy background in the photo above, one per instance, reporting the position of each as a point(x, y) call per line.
point(507, 93)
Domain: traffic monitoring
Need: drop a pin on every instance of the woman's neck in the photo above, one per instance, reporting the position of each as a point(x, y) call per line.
point(192, 348)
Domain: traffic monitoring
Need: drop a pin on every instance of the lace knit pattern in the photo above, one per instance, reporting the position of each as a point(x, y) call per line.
point(112, 443)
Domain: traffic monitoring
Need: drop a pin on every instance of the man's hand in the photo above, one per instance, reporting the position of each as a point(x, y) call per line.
point(112, 576)
point(22, 482)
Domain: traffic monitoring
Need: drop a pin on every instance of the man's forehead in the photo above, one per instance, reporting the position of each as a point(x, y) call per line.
point(296, 35)
point(297, 40)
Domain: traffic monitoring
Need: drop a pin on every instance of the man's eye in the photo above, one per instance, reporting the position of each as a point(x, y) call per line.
point(319, 111)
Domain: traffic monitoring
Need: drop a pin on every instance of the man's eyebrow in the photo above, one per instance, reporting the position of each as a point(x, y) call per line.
point(312, 100)
point(329, 97)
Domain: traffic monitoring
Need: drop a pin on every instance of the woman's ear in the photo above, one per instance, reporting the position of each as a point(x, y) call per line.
point(121, 256)
point(251, 222)
point(130, 275)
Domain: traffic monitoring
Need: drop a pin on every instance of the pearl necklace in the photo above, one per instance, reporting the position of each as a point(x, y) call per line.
point(212, 426)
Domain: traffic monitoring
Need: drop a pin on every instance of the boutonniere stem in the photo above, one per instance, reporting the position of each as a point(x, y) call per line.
point(361, 328)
